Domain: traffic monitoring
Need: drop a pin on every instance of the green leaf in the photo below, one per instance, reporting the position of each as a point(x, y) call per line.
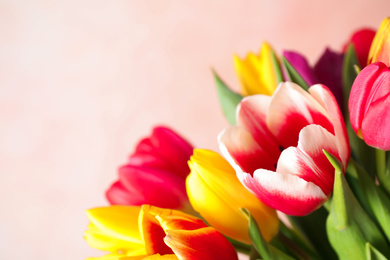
point(277, 68)
point(373, 254)
point(228, 99)
point(266, 251)
point(377, 200)
point(293, 75)
point(313, 228)
point(349, 73)
point(348, 225)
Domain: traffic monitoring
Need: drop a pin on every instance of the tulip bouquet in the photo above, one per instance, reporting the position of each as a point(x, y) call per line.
point(303, 170)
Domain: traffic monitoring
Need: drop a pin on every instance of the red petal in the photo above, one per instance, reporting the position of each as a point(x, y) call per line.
point(360, 91)
point(287, 193)
point(153, 186)
point(376, 124)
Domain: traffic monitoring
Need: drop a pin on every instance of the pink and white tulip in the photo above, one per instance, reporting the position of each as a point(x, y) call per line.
point(277, 146)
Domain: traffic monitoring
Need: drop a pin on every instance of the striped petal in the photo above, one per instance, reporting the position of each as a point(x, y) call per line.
point(285, 192)
point(251, 114)
point(242, 151)
point(325, 97)
point(292, 108)
point(308, 161)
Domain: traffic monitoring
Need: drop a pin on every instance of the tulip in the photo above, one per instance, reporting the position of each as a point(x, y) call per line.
point(369, 105)
point(216, 193)
point(257, 73)
point(155, 173)
point(361, 40)
point(277, 146)
point(380, 47)
point(147, 232)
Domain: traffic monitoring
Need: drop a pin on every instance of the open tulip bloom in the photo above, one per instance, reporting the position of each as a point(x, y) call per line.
point(277, 146)
point(301, 175)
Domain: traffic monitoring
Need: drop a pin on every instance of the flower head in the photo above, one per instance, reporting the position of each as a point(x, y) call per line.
point(257, 73)
point(277, 146)
point(155, 173)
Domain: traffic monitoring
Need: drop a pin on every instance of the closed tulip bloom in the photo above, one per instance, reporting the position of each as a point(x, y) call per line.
point(155, 173)
point(380, 47)
point(277, 146)
point(147, 232)
point(369, 103)
point(257, 72)
point(216, 193)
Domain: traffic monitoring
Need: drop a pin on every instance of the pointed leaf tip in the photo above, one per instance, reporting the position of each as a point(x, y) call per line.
point(227, 98)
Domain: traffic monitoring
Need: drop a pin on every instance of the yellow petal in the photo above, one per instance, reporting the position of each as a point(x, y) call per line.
point(256, 72)
point(115, 228)
point(216, 193)
point(380, 46)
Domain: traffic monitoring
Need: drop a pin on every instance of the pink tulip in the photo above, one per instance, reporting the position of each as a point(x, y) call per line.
point(277, 146)
point(369, 104)
point(155, 173)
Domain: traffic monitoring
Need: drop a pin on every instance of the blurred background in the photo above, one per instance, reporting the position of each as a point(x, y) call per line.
point(82, 81)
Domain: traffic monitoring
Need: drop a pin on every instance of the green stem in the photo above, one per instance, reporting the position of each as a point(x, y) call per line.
point(383, 172)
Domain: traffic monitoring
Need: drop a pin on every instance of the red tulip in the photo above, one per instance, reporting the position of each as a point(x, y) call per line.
point(277, 146)
point(155, 173)
point(369, 104)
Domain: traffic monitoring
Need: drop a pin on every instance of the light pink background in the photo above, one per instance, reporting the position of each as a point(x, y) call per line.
point(82, 81)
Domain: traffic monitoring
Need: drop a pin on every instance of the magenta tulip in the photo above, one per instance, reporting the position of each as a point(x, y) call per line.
point(155, 173)
point(369, 104)
point(277, 146)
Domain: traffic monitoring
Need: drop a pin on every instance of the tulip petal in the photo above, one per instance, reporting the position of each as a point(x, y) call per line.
point(115, 228)
point(213, 188)
point(375, 129)
point(242, 151)
point(251, 114)
point(146, 186)
point(362, 40)
point(257, 73)
point(328, 70)
point(163, 144)
point(118, 194)
point(154, 223)
point(308, 161)
point(325, 97)
point(290, 103)
point(380, 47)
point(287, 193)
point(205, 243)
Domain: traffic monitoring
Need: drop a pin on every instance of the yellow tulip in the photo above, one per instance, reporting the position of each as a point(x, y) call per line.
point(257, 73)
point(380, 46)
point(216, 193)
